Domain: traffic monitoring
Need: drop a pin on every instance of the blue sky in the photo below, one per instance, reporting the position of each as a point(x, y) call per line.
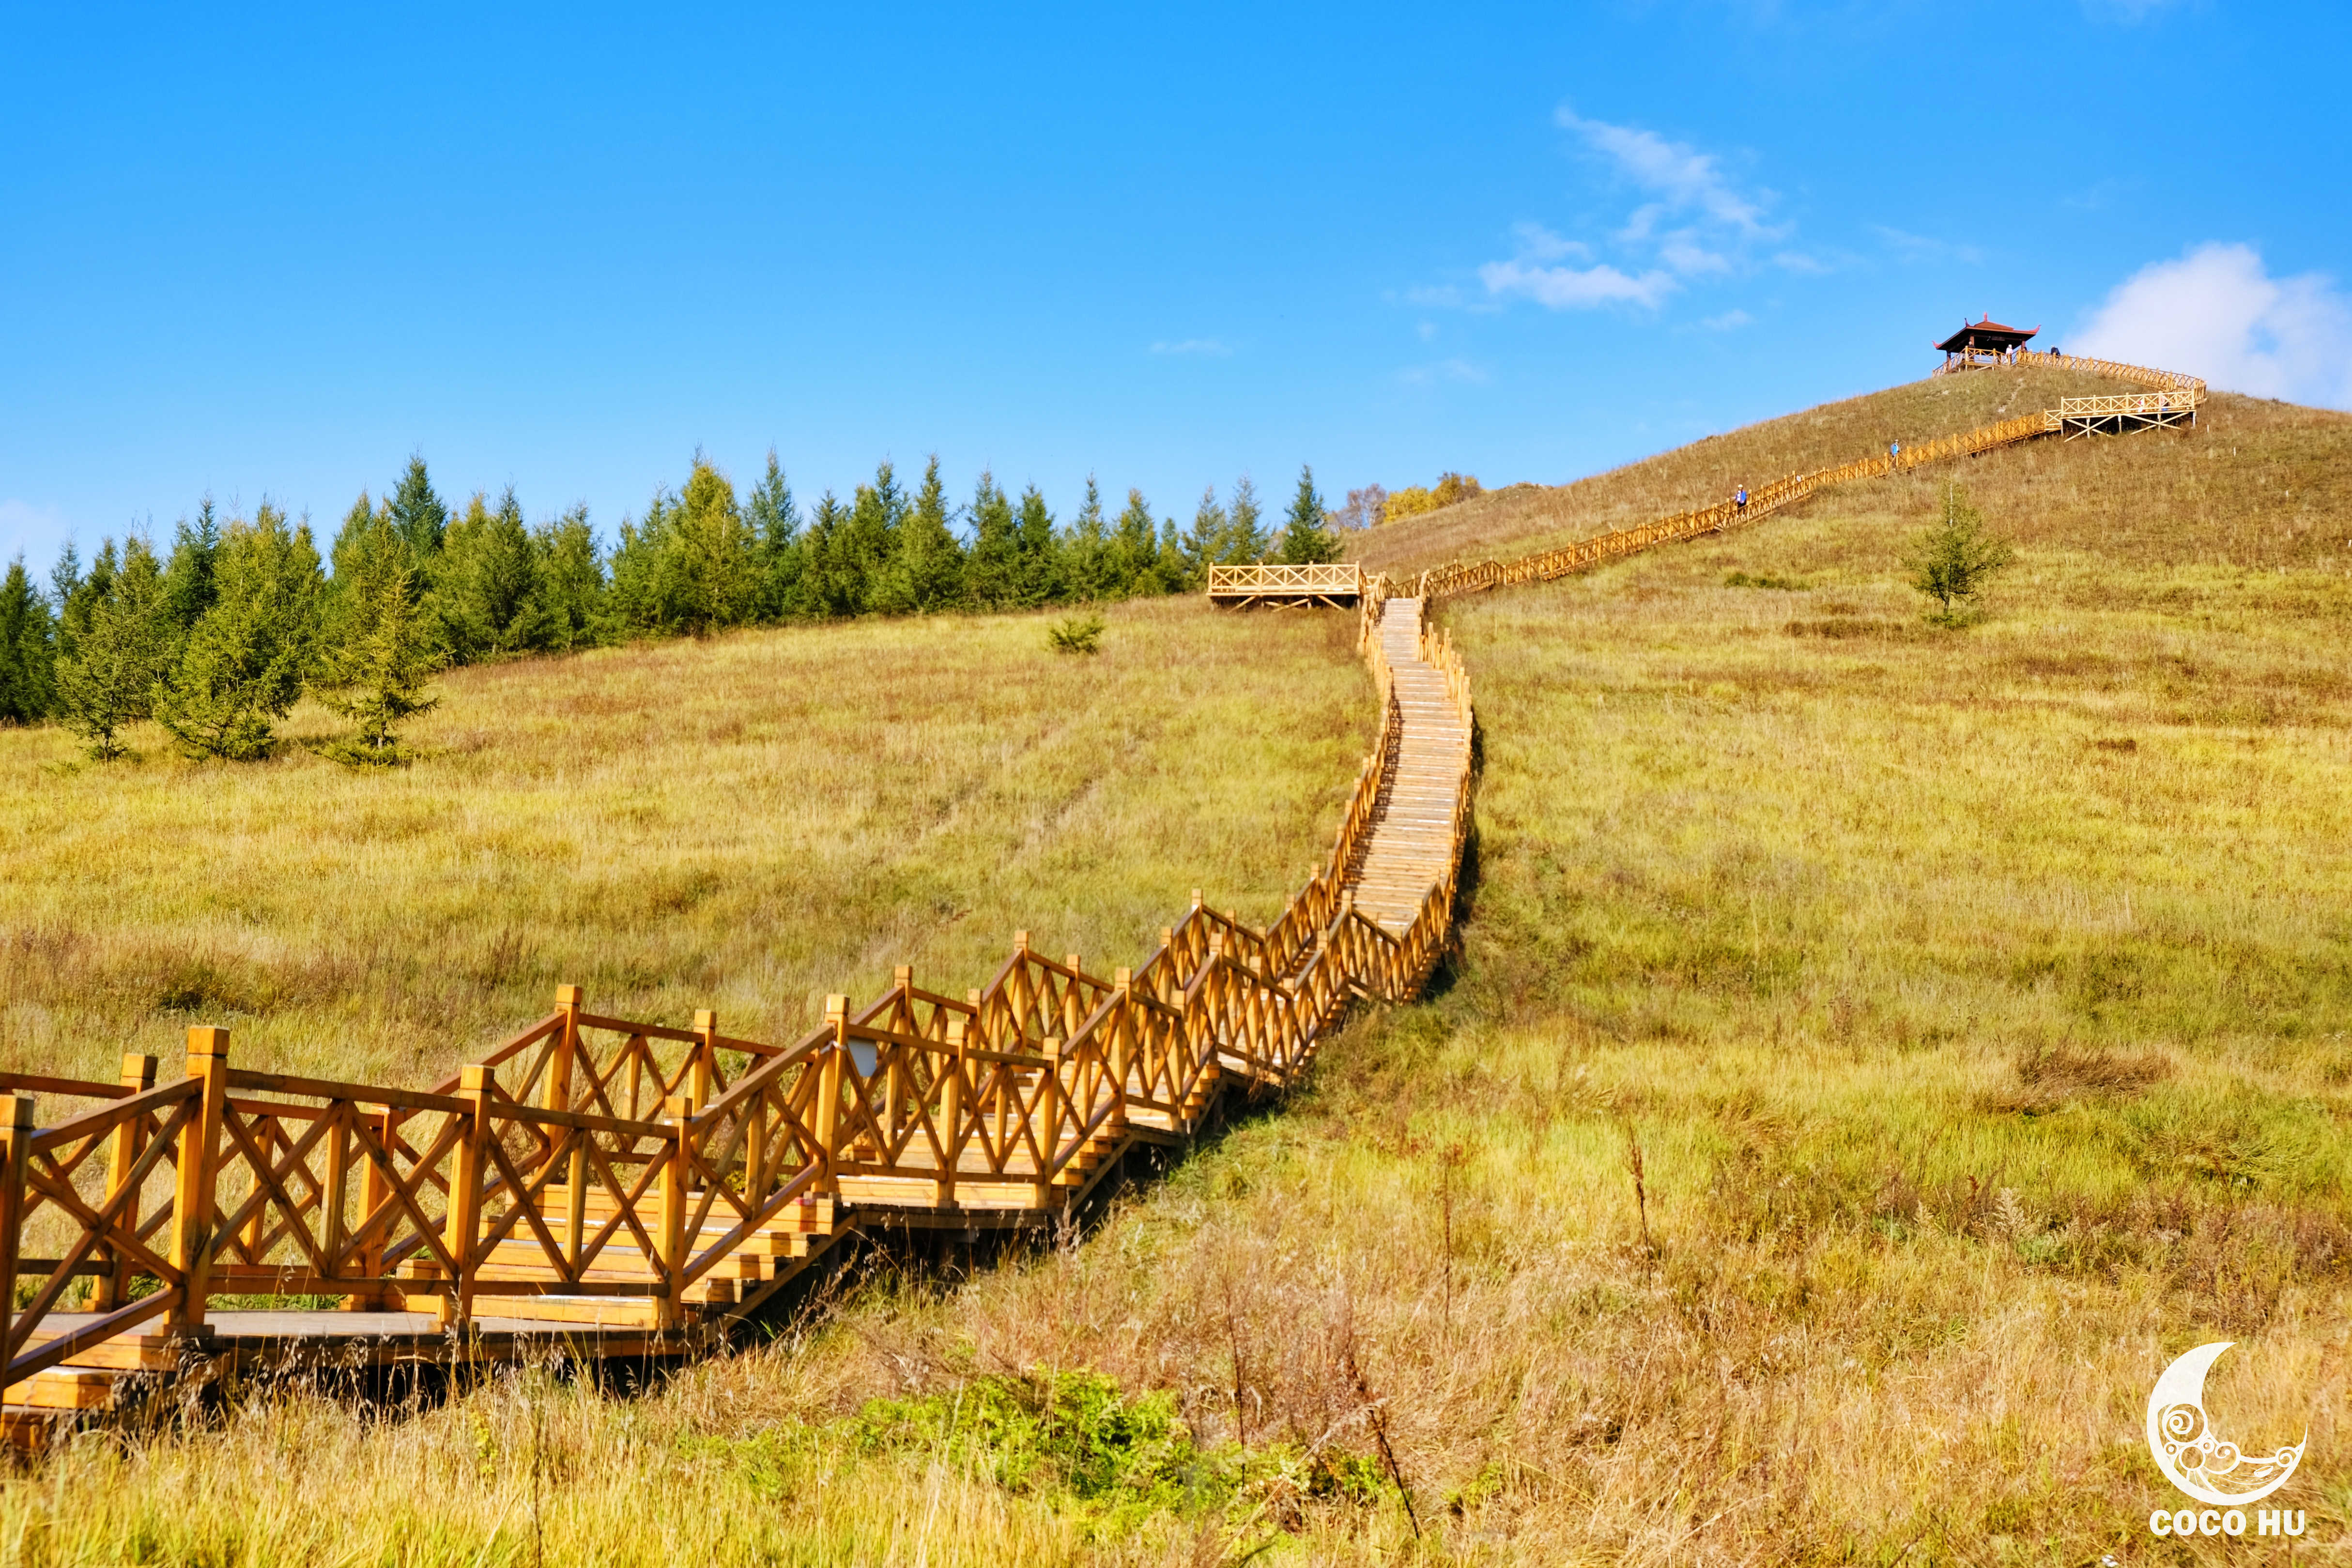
point(271, 254)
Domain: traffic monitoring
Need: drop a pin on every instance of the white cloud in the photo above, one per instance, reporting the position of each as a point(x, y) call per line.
point(1540, 244)
point(1443, 369)
point(1691, 223)
point(1574, 287)
point(1921, 248)
point(2218, 313)
point(1682, 178)
point(1730, 320)
point(1206, 348)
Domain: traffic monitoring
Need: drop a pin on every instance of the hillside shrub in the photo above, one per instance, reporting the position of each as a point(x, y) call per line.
point(1953, 563)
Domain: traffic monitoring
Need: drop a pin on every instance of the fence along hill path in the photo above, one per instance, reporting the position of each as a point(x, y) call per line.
point(606, 1187)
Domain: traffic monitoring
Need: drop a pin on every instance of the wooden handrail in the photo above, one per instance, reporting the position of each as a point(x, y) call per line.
point(1545, 566)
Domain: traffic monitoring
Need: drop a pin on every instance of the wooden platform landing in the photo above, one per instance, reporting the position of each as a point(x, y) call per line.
point(1336, 585)
point(1412, 846)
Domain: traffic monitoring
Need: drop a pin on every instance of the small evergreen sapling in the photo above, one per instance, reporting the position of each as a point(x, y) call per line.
point(1953, 563)
point(1077, 634)
point(118, 642)
point(243, 663)
point(376, 675)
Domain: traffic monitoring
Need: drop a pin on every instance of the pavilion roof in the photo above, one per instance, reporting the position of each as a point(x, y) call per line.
point(1987, 334)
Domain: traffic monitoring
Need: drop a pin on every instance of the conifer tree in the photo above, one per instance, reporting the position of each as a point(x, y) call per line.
point(376, 674)
point(775, 541)
point(65, 581)
point(645, 593)
point(1135, 549)
point(868, 540)
point(828, 588)
point(992, 571)
point(1204, 544)
point(716, 566)
point(1307, 539)
point(418, 514)
point(79, 593)
point(1245, 540)
point(28, 651)
point(107, 670)
point(1086, 553)
point(926, 569)
point(1043, 574)
point(485, 598)
point(1171, 572)
point(244, 664)
point(570, 576)
point(188, 588)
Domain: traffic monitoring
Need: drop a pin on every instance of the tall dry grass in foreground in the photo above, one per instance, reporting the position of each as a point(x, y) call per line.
point(746, 822)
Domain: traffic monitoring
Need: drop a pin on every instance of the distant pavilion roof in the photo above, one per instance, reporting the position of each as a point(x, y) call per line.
point(1986, 336)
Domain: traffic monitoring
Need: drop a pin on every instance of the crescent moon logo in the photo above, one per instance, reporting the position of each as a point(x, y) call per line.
point(2182, 1439)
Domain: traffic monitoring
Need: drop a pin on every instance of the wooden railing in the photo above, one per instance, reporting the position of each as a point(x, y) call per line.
point(2183, 393)
point(671, 1169)
point(1338, 579)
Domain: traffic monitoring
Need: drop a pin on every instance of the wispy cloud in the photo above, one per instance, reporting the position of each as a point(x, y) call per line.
point(1692, 222)
point(1202, 348)
point(1573, 288)
point(1923, 247)
point(1729, 321)
point(1679, 178)
point(2217, 312)
point(1442, 370)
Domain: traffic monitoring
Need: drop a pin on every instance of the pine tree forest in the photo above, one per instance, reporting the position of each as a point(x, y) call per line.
point(218, 636)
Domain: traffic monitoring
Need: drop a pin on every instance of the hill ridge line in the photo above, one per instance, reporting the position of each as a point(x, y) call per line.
point(2172, 398)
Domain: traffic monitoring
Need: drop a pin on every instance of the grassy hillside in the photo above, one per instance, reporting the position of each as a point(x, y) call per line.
point(748, 822)
point(1524, 518)
point(1875, 1051)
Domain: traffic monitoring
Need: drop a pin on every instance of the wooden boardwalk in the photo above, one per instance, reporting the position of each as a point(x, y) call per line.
point(600, 1187)
point(1412, 848)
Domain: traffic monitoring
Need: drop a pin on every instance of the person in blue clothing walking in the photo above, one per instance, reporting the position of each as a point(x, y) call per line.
point(1741, 499)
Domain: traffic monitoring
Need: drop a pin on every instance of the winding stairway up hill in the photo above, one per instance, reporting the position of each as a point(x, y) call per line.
point(608, 1188)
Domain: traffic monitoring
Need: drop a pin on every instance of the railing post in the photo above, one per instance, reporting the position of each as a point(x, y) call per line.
point(192, 1210)
point(1121, 1047)
point(476, 1084)
point(1049, 1118)
point(704, 1070)
point(556, 1094)
point(828, 1095)
point(669, 1309)
point(375, 1191)
point(15, 1152)
point(951, 1113)
point(112, 1289)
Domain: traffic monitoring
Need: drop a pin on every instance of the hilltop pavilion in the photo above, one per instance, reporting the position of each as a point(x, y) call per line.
point(1982, 342)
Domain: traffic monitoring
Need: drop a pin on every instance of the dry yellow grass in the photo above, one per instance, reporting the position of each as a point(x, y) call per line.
point(1522, 518)
point(747, 822)
point(1980, 1004)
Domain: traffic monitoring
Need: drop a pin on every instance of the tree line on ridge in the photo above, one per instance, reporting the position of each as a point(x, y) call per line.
point(218, 638)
